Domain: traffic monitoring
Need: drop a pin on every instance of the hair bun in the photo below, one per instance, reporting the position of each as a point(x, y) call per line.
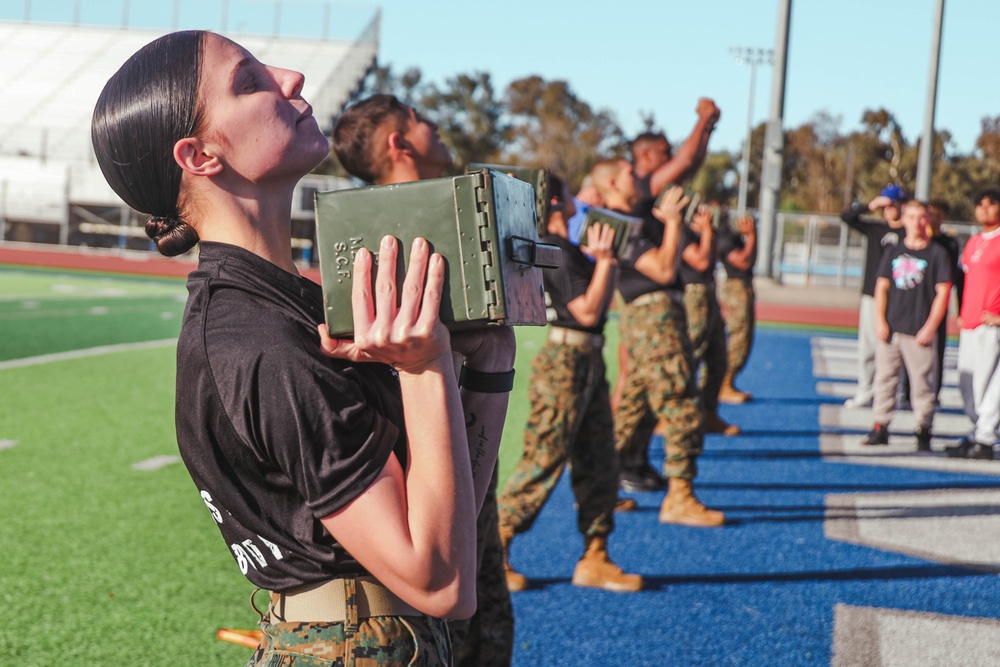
point(171, 234)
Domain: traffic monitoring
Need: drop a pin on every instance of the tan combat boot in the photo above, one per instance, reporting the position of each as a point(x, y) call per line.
point(595, 570)
point(683, 507)
point(715, 424)
point(729, 394)
point(515, 580)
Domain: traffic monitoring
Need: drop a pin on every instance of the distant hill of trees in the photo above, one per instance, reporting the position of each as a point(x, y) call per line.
point(541, 123)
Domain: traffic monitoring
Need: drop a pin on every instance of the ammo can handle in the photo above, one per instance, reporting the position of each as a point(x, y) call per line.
point(532, 253)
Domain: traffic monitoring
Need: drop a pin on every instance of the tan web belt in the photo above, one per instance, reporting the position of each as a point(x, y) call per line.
point(327, 602)
point(576, 338)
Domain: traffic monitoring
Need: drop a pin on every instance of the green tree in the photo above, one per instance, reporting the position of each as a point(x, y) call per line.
point(469, 116)
point(551, 127)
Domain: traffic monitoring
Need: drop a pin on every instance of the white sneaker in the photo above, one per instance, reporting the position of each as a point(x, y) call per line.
point(858, 402)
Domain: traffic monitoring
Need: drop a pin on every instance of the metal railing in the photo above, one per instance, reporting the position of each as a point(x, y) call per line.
point(819, 249)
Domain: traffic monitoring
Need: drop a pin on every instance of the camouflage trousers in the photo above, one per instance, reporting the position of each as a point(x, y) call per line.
point(383, 641)
point(708, 341)
point(487, 639)
point(659, 387)
point(737, 298)
point(570, 422)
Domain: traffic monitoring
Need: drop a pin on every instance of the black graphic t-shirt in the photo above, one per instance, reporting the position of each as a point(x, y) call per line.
point(913, 276)
point(275, 435)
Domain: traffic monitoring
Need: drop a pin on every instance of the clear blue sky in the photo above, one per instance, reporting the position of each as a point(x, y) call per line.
point(659, 56)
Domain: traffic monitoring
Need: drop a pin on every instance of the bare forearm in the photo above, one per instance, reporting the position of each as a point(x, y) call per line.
point(939, 307)
point(484, 419)
point(586, 308)
point(440, 495)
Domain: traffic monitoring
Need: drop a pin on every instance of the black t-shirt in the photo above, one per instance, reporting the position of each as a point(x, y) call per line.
point(912, 275)
point(568, 282)
point(880, 236)
point(950, 244)
point(633, 283)
point(274, 434)
point(689, 274)
point(729, 240)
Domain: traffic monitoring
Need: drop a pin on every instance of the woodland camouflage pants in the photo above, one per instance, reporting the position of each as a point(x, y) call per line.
point(570, 422)
point(659, 386)
point(487, 639)
point(708, 341)
point(738, 303)
point(384, 641)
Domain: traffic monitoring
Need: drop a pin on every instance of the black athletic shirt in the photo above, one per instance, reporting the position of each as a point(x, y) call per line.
point(880, 236)
point(633, 283)
point(689, 274)
point(274, 434)
point(730, 240)
point(568, 282)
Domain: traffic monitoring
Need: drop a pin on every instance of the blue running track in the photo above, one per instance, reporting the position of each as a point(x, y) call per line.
point(767, 588)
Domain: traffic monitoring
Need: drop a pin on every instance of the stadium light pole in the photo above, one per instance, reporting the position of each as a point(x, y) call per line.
point(774, 144)
point(752, 57)
point(926, 152)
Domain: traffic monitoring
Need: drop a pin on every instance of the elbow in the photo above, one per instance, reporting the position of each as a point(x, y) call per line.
point(457, 600)
point(587, 319)
point(666, 276)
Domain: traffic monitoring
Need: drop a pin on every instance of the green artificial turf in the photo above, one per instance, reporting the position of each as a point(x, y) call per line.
point(104, 564)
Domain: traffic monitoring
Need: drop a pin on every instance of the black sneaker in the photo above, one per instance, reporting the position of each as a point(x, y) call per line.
point(879, 435)
point(923, 441)
point(969, 449)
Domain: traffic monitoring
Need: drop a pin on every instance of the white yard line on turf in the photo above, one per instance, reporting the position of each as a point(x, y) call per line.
point(89, 352)
point(156, 463)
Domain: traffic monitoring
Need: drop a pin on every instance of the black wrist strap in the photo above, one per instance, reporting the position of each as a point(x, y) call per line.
point(486, 383)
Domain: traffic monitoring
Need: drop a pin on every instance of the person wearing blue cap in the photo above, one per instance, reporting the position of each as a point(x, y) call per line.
point(881, 232)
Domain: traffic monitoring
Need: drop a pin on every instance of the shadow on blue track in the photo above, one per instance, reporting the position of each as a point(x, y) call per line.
point(761, 590)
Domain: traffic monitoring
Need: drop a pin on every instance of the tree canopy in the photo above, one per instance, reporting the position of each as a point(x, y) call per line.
point(540, 123)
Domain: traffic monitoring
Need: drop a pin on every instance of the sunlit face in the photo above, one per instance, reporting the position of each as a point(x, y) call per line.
point(988, 212)
point(915, 220)
point(625, 182)
point(425, 144)
point(256, 120)
point(658, 153)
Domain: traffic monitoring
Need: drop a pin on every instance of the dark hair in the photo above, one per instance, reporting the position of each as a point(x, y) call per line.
point(145, 108)
point(940, 205)
point(355, 130)
point(986, 193)
point(648, 138)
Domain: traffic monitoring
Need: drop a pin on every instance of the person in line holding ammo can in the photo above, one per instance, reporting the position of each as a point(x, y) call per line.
point(660, 384)
point(707, 331)
point(738, 254)
point(358, 519)
point(570, 419)
point(381, 140)
point(654, 166)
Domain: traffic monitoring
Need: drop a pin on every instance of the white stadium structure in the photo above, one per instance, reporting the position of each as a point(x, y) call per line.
point(51, 189)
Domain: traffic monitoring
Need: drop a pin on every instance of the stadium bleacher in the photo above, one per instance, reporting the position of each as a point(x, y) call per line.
point(52, 75)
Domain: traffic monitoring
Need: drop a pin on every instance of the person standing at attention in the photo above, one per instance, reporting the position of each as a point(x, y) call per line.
point(979, 338)
point(911, 299)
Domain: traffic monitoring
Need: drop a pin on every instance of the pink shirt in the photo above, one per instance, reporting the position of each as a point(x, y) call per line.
point(981, 260)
